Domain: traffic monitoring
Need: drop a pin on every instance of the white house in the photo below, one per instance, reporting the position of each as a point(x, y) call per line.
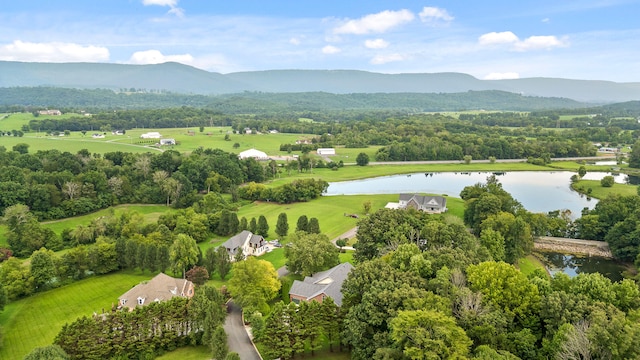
point(426, 203)
point(167, 141)
point(253, 153)
point(151, 135)
point(326, 151)
point(247, 242)
point(97, 136)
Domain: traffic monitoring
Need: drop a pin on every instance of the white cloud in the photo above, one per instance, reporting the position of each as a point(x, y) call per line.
point(493, 38)
point(52, 52)
point(540, 42)
point(375, 23)
point(432, 15)
point(383, 59)
point(530, 43)
point(172, 4)
point(502, 76)
point(330, 49)
point(156, 57)
point(294, 41)
point(376, 44)
point(546, 20)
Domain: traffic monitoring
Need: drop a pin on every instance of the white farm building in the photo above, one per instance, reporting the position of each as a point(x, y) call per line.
point(151, 135)
point(326, 151)
point(253, 153)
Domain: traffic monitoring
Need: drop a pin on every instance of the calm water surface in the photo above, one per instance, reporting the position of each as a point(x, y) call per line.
point(573, 265)
point(538, 191)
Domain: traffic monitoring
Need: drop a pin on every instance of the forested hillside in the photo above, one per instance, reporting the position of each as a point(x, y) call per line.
point(258, 102)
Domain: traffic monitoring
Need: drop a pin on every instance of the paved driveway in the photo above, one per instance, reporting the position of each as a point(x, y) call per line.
point(237, 337)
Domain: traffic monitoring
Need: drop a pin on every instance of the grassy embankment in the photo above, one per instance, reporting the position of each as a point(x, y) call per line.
point(599, 192)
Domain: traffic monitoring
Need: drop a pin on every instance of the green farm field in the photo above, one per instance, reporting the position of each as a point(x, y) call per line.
point(15, 121)
point(36, 320)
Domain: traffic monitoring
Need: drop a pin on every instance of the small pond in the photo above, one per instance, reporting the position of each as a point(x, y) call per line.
point(573, 265)
point(538, 191)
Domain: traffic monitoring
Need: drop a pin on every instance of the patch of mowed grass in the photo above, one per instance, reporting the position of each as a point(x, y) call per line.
point(36, 320)
point(150, 213)
point(14, 121)
point(329, 210)
point(73, 143)
point(187, 353)
point(529, 264)
point(600, 192)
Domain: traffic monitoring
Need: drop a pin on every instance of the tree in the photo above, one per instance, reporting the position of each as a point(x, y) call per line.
point(634, 155)
point(43, 268)
point(427, 334)
point(254, 282)
point(362, 159)
point(282, 227)
point(232, 356)
point(309, 253)
point(506, 287)
point(21, 148)
point(582, 171)
point(218, 344)
point(607, 181)
point(303, 223)
point(183, 253)
point(314, 226)
point(467, 159)
point(366, 207)
point(262, 227)
point(51, 352)
point(198, 275)
point(253, 225)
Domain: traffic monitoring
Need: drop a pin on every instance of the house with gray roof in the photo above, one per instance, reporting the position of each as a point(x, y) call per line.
point(321, 285)
point(248, 242)
point(161, 288)
point(426, 203)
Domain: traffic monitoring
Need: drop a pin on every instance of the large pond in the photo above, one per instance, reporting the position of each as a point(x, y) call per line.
point(538, 191)
point(573, 265)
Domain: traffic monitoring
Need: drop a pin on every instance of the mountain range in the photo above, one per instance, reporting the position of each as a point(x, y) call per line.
point(180, 78)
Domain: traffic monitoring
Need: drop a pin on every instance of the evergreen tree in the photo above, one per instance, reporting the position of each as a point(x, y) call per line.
point(282, 227)
point(314, 226)
point(218, 344)
point(243, 224)
point(263, 226)
point(222, 262)
point(253, 225)
point(303, 223)
point(234, 223)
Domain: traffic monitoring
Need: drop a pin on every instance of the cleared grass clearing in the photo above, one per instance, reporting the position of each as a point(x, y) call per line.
point(15, 121)
point(36, 320)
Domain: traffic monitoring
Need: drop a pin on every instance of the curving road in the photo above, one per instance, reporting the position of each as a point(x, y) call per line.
point(237, 337)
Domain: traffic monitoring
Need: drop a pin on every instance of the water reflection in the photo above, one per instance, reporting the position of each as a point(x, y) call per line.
point(573, 265)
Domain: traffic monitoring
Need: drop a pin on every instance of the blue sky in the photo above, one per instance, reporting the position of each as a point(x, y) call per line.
point(491, 39)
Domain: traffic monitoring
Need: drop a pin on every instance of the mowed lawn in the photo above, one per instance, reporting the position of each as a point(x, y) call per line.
point(329, 210)
point(36, 320)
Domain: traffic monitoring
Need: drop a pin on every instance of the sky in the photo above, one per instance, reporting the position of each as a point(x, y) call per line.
point(490, 39)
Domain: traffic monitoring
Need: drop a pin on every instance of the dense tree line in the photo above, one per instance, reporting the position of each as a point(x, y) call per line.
point(296, 191)
point(146, 331)
point(425, 287)
point(56, 184)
